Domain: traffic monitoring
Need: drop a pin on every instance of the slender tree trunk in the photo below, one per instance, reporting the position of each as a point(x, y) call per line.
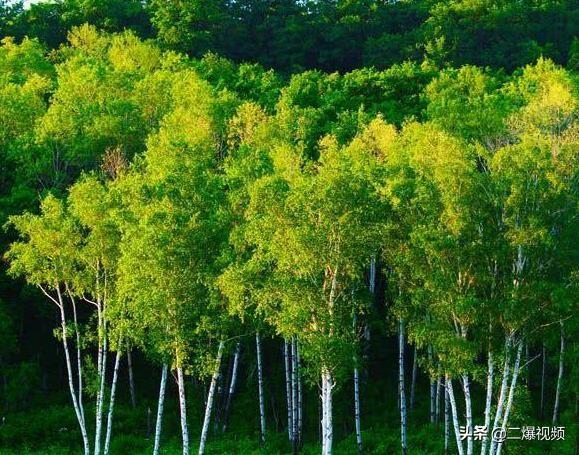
point(75, 404)
point(488, 402)
point(160, 407)
point(448, 384)
point(112, 403)
point(323, 425)
point(372, 277)
point(437, 404)
point(286, 357)
point(210, 396)
point(183, 410)
point(432, 389)
point(543, 369)
point(78, 359)
point(511, 393)
point(414, 376)
point(232, 385)
point(357, 417)
point(260, 387)
point(101, 391)
point(300, 397)
point(559, 377)
point(446, 419)
point(223, 382)
point(328, 434)
point(502, 393)
point(131, 379)
point(468, 413)
point(357, 409)
point(294, 377)
point(401, 388)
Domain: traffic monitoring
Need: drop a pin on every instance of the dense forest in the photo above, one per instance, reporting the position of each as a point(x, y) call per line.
point(289, 226)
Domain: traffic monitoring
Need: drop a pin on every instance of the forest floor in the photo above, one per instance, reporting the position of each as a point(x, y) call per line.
point(52, 431)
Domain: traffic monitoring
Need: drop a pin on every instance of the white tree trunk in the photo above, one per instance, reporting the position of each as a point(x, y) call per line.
point(77, 410)
point(448, 384)
point(294, 390)
point(414, 375)
point(327, 386)
point(559, 377)
point(357, 409)
point(511, 393)
point(437, 404)
point(300, 398)
point(260, 387)
point(78, 359)
point(101, 392)
point(446, 419)
point(160, 408)
point(210, 397)
point(401, 387)
point(183, 410)
point(232, 385)
point(112, 403)
point(502, 393)
point(131, 379)
point(468, 413)
point(488, 402)
point(286, 357)
point(323, 423)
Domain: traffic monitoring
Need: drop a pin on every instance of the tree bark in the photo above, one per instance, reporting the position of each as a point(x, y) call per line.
point(78, 358)
point(511, 393)
point(448, 384)
point(502, 393)
point(401, 388)
point(102, 379)
point(160, 408)
point(357, 409)
point(488, 401)
point(414, 375)
point(286, 356)
point(437, 403)
point(468, 413)
point(77, 410)
point(446, 419)
point(210, 397)
point(112, 403)
point(559, 376)
point(294, 391)
point(300, 397)
point(260, 388)
point(323, 425)
point(183, 410)
point(232, 385)
point(327, 386)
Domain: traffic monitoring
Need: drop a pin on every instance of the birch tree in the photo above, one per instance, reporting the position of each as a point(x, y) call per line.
point(46, 256)
point(171, 208)
point(310, 221)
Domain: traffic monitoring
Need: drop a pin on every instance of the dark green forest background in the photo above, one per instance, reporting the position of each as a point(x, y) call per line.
point(72, 95)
